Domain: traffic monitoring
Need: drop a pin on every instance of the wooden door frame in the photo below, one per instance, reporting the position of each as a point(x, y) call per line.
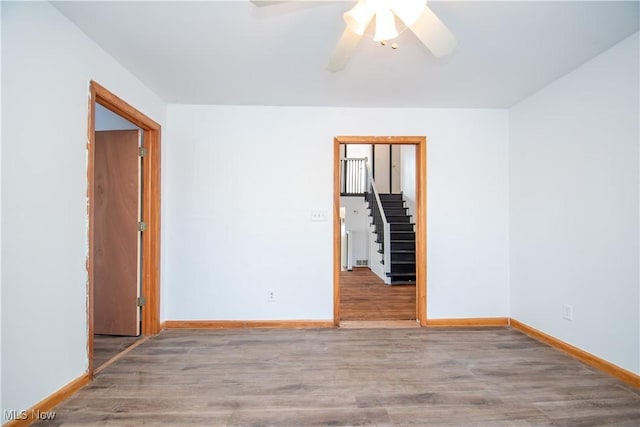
point(420, 143)
point(150, 207)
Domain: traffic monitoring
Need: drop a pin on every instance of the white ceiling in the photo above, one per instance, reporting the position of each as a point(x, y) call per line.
point(231, 52)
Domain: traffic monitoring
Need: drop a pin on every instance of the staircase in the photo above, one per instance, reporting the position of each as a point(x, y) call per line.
point(403, 237)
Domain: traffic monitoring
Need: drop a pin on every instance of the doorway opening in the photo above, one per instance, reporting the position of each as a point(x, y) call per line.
point(388, 265)
point(124, 228)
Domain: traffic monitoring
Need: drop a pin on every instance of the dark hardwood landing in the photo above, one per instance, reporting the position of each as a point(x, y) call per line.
point(364, 296)
point(105, 347)
point(339, 377)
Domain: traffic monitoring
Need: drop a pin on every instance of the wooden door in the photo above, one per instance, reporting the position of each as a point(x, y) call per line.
point(116, 285)
point(396, 169)
point(382, 167)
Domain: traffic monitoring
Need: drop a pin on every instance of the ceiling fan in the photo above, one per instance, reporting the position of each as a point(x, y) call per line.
point(414, 14)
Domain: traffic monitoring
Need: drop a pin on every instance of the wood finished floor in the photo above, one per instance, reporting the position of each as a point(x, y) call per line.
point(106, 347)
point(339, 377)
point(364, 296)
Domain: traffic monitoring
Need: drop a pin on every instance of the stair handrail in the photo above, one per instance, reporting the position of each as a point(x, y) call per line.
point(386, 238)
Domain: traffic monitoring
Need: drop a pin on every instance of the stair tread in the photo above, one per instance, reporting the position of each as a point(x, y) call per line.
point(402, 262)
point(403, 239)
point(396, 241)
point(398, 251)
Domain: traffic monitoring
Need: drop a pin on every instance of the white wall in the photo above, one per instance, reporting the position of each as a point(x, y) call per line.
point(107, 120)
point(242, 182)
point(47, 64)
point(1, 222)
point(357, 221)
point(359, 151)
point(408, 177)
point(574, 207)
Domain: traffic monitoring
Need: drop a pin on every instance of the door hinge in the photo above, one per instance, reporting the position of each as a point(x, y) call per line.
point(142, 151)
point(142, 226)
point(141, 301)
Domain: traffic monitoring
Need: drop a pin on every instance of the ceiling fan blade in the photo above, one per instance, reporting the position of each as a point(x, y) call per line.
point(434, 34)
point(342, 53)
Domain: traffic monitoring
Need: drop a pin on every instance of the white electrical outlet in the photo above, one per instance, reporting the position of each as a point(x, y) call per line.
point(567, 312)
point(271, 296)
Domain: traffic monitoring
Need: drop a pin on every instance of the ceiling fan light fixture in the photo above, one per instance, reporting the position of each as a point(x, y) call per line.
point(359, 17)
point(385, 25)
point(408, 10)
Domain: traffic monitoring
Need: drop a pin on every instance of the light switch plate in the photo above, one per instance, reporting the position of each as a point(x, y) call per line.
point(319, 215)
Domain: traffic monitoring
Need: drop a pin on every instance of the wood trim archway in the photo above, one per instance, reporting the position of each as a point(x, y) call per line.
point(150, 208)
point(420, 142)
